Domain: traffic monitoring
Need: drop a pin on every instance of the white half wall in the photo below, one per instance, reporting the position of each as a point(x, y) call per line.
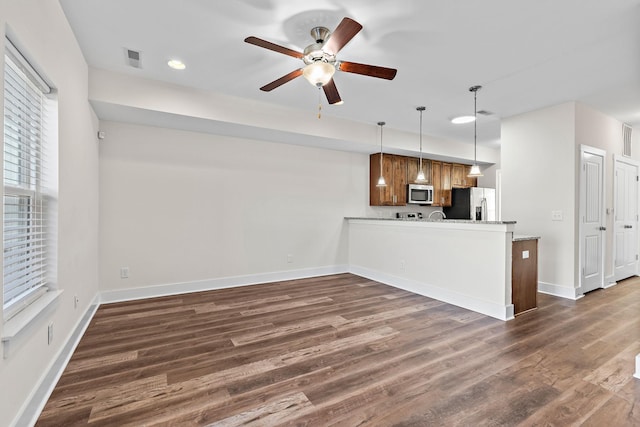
point(465, 264)
point(40, 30)
point(182, 207)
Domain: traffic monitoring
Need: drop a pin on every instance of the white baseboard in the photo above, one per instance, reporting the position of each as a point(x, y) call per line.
point(220, 283)
point(560, 291)
point(34, 405)
point(487, 308)
point(637, 374)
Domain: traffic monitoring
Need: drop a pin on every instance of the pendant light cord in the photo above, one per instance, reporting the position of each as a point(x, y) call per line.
point(421, 110)
point(475, 126)
point(380, 124)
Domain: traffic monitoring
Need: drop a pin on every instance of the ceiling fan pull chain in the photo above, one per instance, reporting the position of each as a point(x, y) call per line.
point(319, 103)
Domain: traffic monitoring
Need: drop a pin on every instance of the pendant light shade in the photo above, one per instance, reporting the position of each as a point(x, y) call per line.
point(475, 169)
point(421, 177)
point(381, 181)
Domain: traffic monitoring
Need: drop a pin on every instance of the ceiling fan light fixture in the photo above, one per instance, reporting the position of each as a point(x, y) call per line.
point(318, 73)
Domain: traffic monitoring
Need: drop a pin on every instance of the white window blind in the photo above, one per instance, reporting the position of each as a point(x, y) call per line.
point(26, 210)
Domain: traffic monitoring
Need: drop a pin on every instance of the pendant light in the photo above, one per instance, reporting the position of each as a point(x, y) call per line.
point(381, 181)
point(475, 169)
point(421, 177)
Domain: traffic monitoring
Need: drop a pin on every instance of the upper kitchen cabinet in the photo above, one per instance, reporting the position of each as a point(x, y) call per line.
point(413, 166)
point(441, 176)
point(470, 181)
point(459, 178)
point(394, 171)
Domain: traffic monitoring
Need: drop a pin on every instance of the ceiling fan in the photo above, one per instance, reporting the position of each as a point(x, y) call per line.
point(320, 59)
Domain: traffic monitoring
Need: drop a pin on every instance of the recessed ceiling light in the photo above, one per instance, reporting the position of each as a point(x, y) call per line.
point(176, 64)
point(463, 119)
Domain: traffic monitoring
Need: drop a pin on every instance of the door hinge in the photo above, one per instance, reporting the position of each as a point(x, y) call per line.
point(637, 178)
point(636, 257)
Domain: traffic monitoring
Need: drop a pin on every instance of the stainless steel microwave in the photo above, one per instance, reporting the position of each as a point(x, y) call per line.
point(420, 194)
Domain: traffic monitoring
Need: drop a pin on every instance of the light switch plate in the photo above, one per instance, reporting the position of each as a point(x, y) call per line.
point(556, 215)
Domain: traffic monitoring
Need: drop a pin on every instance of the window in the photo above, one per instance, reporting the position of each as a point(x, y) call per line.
point(28, 200)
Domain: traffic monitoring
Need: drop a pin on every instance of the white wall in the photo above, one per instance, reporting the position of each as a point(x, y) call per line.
point(540, 158)
point(180, 207)
point(40, 29)
point(538, 176)
point(598, 130)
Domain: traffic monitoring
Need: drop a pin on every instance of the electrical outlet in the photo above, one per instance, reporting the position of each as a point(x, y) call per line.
point(289, 258)
point(124, 272)
point(402, 265)
point(50, 333)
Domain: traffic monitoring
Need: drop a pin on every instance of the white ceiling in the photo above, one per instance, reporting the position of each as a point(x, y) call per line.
point(526, 54)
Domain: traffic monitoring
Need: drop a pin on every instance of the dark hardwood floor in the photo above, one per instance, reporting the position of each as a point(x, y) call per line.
point(343, 350)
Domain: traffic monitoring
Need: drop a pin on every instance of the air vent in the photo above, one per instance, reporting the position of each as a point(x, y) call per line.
point(133, 58)
point(485, 113)
point(626, 140)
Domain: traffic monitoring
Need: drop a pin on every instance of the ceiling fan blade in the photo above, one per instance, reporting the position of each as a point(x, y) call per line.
point(343, 33)
point(272, 46)
point(331, 91)
point(282, 80)
point(368, 70)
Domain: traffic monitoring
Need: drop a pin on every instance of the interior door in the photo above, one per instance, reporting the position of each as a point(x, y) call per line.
point(625, 237)
point(592, 224)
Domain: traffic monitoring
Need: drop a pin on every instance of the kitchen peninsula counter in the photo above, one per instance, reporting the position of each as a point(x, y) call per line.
point(462, 262)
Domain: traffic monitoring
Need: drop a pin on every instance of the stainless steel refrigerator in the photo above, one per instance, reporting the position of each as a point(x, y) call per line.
point(467, 203)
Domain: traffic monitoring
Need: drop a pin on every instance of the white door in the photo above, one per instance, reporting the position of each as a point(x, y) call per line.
point(592, 222)
point(625, 237)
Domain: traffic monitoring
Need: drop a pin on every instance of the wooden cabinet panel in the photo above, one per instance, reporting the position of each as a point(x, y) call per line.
point(400, 180)
point(524, 276)
point(394, 171)
point(413, 166)
point(446, 184)
point(436, 178)
point(470, 181)
point(458, 175)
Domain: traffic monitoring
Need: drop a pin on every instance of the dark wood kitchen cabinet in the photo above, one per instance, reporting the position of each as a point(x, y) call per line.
point(394, 171)
point(524, 275)
point(413, 166)
point(441, 176)
point(460, 178)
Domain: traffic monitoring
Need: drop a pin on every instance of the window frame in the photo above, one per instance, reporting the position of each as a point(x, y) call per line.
point(39, 217)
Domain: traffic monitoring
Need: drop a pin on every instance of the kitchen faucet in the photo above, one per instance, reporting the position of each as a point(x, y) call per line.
point(437, 212)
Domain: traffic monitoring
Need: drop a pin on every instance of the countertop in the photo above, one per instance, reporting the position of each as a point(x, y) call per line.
point(520, 237)
point(450, 221)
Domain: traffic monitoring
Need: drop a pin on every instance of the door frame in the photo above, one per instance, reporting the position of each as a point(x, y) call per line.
point(582, 196)
point(629, 161)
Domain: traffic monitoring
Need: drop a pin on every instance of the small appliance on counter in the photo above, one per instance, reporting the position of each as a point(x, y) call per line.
point(475, 203)
point(420, 194)
point(409, 215)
